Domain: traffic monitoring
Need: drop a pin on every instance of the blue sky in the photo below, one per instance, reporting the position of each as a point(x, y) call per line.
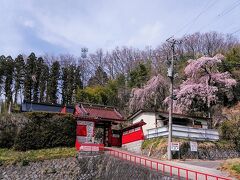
point(65, 26)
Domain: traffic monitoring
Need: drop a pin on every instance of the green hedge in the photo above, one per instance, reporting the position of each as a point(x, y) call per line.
point(42, 130)
point(8, 131)
point(46, 130)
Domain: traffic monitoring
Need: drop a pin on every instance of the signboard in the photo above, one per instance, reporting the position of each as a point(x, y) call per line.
point(193, 146)
point(89, 148)
point(175, 146)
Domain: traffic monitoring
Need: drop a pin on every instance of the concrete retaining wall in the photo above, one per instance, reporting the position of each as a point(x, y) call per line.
point(133, 146)
point(84, 167)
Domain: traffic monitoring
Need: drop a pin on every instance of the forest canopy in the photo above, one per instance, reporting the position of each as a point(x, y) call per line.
point(126, 77)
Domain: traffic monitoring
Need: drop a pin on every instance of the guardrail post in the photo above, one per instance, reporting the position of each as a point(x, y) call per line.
point(178, 173)
point(151, 166)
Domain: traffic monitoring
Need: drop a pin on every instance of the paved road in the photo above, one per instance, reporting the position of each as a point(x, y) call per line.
point(202, 167)
point(207, 164)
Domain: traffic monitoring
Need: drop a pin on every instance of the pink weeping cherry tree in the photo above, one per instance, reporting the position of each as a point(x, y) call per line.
point(204, 87)
point(150, 96)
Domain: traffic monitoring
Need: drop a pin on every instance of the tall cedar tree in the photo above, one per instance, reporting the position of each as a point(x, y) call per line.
point(78, 78)
point(77, 82)
point(28, 79)
point(139, 76)
point(44, 76)
point(71, 75)
point(19, 67)
point(52, 87)
point(2, 59)
point(8, 73)
point(100, 78)
point(64, 84)
point(38, 69)
point(71, 81)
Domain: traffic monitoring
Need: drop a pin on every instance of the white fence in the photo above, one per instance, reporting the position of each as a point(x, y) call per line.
point(185, 132)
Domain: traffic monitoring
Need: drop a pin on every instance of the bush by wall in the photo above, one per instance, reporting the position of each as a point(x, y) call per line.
point(230, 130)
point(8, 131)
point(46, 130)
point(39, 130)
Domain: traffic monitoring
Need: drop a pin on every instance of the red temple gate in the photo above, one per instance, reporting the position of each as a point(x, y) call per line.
point(89, 117)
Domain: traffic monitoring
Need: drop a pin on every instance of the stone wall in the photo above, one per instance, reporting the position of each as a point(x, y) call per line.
point(85, 166)
point(133, 146)
point(204, 153)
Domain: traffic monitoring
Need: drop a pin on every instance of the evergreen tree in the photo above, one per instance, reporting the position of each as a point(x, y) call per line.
point(77, 82)
point(44, 76)
point(37, 74)
point(77, 78)
point(52, 87)
point(70, 83)
point(64, 84)
point(139, 76)
point(8, 73)
point(2, 60)
point(18, 74)
point(29, 76)
point(100, 78)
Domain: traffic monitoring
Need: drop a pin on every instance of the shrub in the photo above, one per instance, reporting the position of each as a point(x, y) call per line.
point(8, 132)
point(230, 130)
point(236, 167)
point(46, 130)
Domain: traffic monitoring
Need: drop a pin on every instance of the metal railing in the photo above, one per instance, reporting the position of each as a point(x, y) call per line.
point(164, 168)
point(185, 132)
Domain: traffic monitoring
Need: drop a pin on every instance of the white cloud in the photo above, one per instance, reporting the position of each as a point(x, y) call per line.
point(148, 35)
point(71, 24)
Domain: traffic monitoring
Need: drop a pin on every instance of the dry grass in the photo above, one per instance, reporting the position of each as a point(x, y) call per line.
point(9, 156)
point(232, 166)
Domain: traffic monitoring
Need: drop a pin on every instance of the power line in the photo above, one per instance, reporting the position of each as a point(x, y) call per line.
point(205, 8)
point(223, 13)
point(238, 30)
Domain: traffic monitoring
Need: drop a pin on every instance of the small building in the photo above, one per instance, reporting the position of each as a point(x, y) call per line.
point(89, 117)
point(133, 137)
point(45, 107)
point(184, 126)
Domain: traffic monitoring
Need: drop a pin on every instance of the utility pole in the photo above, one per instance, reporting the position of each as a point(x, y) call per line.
point(173, 42)
point(84, 52)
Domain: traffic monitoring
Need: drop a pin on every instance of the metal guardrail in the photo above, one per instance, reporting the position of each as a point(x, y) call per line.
point(185, 132)
point(163, 167)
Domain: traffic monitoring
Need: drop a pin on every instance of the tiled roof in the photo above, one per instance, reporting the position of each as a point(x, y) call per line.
point(132, 126)
point(165, 114)
point(44, 107)
point(97, 112)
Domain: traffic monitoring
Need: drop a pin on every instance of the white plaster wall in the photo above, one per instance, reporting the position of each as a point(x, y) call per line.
point(160, 123)
point(204, 123)
point(149, 118)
